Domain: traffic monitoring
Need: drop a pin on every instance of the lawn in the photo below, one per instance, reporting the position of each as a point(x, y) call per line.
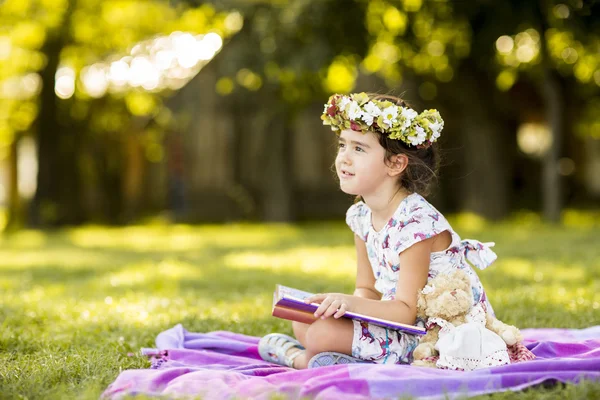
point(77, 305)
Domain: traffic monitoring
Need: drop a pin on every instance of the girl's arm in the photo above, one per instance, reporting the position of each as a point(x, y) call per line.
point(365, 280)
point(412, 277)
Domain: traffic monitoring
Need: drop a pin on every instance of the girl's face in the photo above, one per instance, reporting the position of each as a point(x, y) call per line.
point(360, 163)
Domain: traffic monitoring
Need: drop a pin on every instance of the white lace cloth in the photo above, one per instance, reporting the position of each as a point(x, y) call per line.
point(469, 346)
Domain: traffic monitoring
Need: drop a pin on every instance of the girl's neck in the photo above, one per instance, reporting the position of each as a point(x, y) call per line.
point(384, 206)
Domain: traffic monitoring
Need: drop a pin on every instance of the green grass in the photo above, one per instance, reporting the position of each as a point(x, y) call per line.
point(77, 305)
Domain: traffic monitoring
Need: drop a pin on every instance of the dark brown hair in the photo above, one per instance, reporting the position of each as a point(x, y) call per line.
point(423, 163)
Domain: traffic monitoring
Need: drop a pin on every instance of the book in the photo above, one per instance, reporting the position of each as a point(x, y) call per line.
point(288, 303)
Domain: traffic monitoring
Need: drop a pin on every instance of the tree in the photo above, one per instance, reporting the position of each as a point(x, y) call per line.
point(452, 51)
point(287, 56)
point(470, 59)
point(471, 53)
point(60, 44)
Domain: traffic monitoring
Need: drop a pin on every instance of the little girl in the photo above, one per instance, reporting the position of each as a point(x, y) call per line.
point(387, 156)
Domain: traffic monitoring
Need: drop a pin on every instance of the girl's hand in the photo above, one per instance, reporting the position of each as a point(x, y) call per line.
point(335, 304)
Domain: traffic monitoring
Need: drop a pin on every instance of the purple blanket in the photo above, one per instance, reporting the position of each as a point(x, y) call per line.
point(226, 365)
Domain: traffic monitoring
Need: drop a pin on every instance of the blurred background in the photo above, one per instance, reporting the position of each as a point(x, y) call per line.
point(118, 111)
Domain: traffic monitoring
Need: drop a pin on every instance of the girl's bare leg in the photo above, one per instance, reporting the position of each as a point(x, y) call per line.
point(300, 331)
point(323, 335)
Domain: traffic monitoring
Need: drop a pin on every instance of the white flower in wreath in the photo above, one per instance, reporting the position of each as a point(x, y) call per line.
point(368, 118)
point(419, 138)
point(436, 128)
point(389, 115)
point(354, 111)
point(371, 111)
point(409, 115)
point(343, 103)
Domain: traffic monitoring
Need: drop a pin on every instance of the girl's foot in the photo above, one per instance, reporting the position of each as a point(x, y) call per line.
point(279, 349)
point(332, 358)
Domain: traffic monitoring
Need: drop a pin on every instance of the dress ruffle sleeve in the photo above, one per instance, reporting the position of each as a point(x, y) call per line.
point(357, 220)
point(418, 222)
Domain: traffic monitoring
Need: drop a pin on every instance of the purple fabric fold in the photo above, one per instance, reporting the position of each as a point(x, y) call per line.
point(226, 365)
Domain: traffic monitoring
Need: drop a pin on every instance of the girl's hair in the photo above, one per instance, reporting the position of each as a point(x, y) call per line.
point(423, 163)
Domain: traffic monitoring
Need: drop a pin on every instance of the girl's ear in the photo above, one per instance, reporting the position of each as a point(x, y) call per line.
point(397, 164)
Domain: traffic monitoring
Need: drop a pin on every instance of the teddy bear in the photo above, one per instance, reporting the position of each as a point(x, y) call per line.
point(449, 297)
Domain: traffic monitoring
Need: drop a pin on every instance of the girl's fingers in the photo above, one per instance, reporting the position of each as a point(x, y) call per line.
point(332, 309)
point(323, 307)
point(341, 311)
point(328, 305)
point(315, 298)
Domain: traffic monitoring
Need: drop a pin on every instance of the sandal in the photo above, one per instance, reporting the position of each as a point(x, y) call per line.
point(274, 347)
point(332, 358)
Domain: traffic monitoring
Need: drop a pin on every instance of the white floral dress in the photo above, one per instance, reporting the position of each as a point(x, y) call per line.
point(414, 220)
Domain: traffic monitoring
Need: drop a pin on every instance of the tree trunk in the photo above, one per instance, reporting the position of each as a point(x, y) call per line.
point(277, 185)
point(111, 168)
point(133, 177)
point(57, 199)
point(555, 114)
point(45, 202)
point(484, 184)
point(15, 209)
point(591, 166)
point(553, 93)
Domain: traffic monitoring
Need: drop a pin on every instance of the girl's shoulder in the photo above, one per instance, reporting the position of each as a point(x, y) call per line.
point(417, 206)
point(358, 209)
point(416, 219)
point(358, 219)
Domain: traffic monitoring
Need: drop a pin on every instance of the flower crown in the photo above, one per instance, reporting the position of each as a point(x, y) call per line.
point(360, 113)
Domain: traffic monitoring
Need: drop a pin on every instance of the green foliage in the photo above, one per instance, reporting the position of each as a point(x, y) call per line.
point(78, 304)
point(86, 33)
point(427, 38)
point(589, 125)
point(300, 50)
point(571, 45)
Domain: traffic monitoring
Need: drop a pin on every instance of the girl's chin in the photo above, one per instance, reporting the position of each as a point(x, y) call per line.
point(348, 190)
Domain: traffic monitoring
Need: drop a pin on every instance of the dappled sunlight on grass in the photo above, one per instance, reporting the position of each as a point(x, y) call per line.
point(548, 290)
point(3, 218)
point(525, 218)
point(25, 239)
point(57, 319)
point(541, 270)
point(579, 219)
point(467, 222)
point(517, 267)
point(7, 284)
point(574, 299)
point(181, 237)
point(137, 275)
point(67, 257)
point(149, 274)
point(83, 301)
point(329, 261)
point(524, 223)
